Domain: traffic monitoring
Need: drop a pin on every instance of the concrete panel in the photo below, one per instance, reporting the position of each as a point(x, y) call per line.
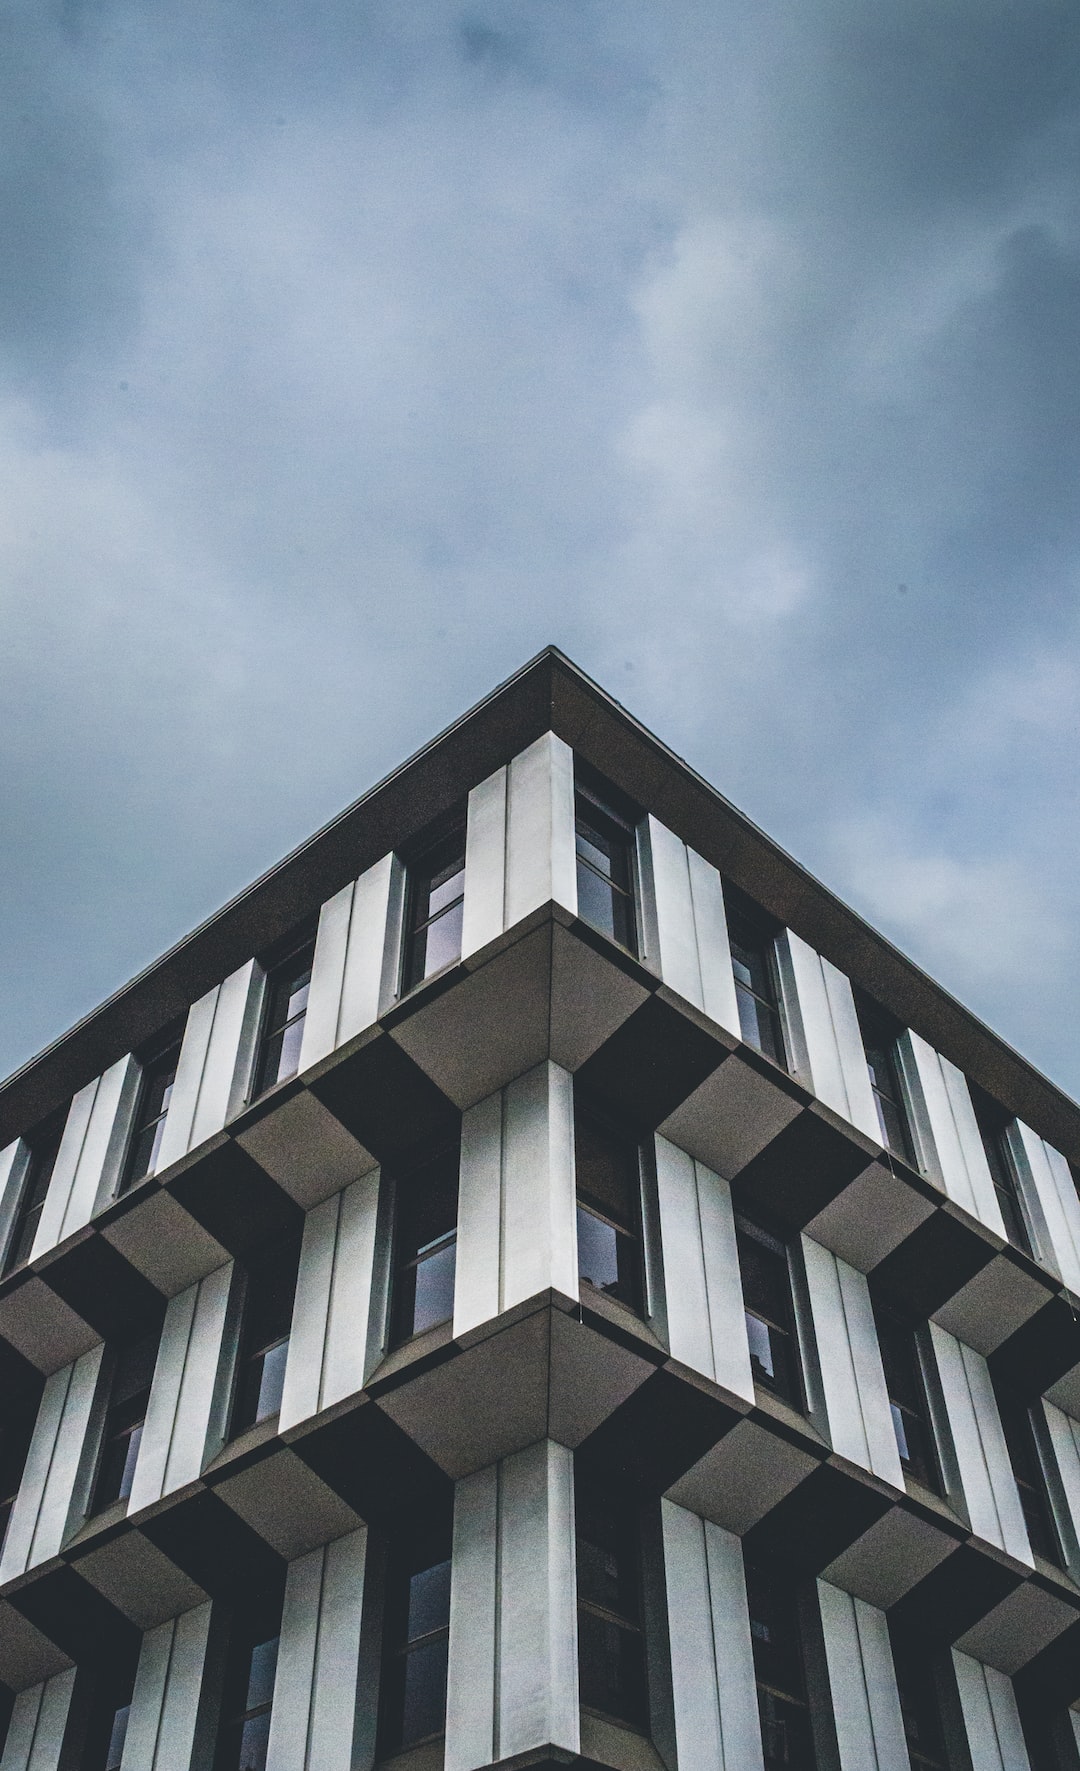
point(472, 1672)
point(712, 1668)
point(178, 1436)
point(290, 1507)
point(994, 1735)
point(331, 1344)
point(870, 1218)
point(730, 1117)
point(537, 1612)
point(40, 1326)
point(1049, 1175)
point(590, 999)
point(35, 1735)
point(956, 1156)
point(1020, 1626)
point(484, 910)
point(862, 1683)
point(703, 1293)
point(540, 853)
point(88, 1161)
point(856, 1399)
point(348, 980)
point(477, 1278)
point(539, 1238)
point(165, 1702)
point(993, 1304)
point(305, 1148)
point(590, 1377)
point(44, 1505)
point(1064, 1434)
point(676, 955)
point(13, 1163)
point(891, 1557)
point(165, 1243)
point(26, 1656)
point(313, 1721)
point(176, 1139)
point(142, 1582)
point(985, 1471)
point(713, 946)
point(742, 1477)
point(830, 1029)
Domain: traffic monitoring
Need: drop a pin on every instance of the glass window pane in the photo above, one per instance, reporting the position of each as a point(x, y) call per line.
point(595, 900)
point(442, 942)
point(254, 1743)
point(446, 887)
point(117, 1735)
point(612, 1668)
point(272, 1380)
point(424, 1698)
point(288, 1053)
point(260, 1683)
point(598, 1251)
point(607, 1171)
point(433, 1292)
point(429, 1600)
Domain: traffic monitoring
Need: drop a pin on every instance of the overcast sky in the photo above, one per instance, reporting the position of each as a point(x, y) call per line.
point(354, 350)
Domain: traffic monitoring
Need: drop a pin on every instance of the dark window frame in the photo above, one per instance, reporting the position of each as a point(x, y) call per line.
point(1028, 1458)
point(434, 864)
point(785, 1695)
point(129, 1380)
point(602, 812)
point(42, 1149)
point(158, 1066)
point(903, 1343)
point(629, 1284)
point(922, 1710)
point(794, 1388)
point(752, 936)
point(994, 1122)
point(16, 1435)
point(881, 1033)
point(613, 1633)
point(409, 1255)
point(99, 1714)
point(415, 1635)
point(241, 1706)
point(288, 970)
point(267, 1278)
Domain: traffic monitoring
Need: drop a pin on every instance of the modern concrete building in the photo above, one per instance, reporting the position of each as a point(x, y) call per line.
point(536, 1281)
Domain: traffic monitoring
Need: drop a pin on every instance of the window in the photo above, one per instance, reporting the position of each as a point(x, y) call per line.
point(905, 1381)
point(757, 988)
point(43, 1146)
point(425, 1247)
point(920, 1707)
point(605, 842)
point(107, 1724)
point(779, 1672)
point(994, 1122)
point(611, 1638)
point(15, 1435)
point(129, 1396)
point(434, 904)
point(879, 1036)
point(1027, 1468)
point(151, 1108)
point(288, 982)
point(248, 1695)
point(415, 1641)
point(269, 1287)
point(770, 1312)
point(608, 1210)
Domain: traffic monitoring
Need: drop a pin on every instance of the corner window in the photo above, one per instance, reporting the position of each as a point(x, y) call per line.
point(769, 1310)
point(608, 1209)
point(879, 1036)
point(425, 1247)
point(779, 1671)
point(752, 935)
point(920, 1707)
point(151, 1109)
point(902, 1359)
point(248, 1695)
point(288, 983)
point(994, 1122)
point(43, 1146)
point(611, 1635)
point(416, 1635)
point(434, 903)
point(269, 1280)
point(605, 840)
point(125, 1416)
point(1030, 1476)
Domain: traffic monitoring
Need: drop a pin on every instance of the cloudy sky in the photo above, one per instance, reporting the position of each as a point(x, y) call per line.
point(352, 351)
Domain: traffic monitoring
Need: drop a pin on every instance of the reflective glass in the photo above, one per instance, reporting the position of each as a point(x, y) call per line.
point(770, 1317)
point(424, 1698)
point(439, 943)
point(433, 1295)
point(598, 1251)
point(612, 1660)
point(254, 1743)
point(429, 1600)
point(118, 1734)
point(272, 1380)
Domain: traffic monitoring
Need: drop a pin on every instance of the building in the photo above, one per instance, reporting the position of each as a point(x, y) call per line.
point(537, 1282)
